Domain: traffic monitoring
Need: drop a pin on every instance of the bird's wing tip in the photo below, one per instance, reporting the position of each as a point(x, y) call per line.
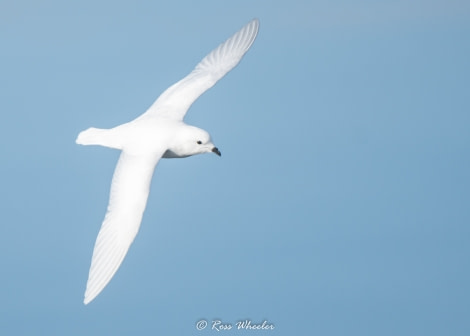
point(87, 299)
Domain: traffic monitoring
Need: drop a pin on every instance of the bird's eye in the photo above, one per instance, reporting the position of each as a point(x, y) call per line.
point(199, 142)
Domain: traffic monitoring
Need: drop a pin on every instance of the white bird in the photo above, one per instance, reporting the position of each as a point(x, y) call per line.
point(158, 133)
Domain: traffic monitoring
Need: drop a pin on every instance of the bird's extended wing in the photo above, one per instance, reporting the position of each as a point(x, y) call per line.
point(127, 201)
point(176, 100)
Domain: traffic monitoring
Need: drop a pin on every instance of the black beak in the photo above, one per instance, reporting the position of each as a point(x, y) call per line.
point(216, 151)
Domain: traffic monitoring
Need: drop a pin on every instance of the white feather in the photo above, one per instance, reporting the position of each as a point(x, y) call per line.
point(128, 197)
point(158, 132)
point(175, 101)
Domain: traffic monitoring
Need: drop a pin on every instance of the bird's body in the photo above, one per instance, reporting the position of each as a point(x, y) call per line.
point(158, 133)
point(144, 136)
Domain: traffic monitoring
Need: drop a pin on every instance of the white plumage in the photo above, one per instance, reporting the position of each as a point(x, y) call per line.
point(159, 132)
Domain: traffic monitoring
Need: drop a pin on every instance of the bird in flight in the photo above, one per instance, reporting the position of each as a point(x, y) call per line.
point(158, 133)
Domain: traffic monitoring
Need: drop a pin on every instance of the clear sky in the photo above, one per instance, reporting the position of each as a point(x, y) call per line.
point(340, 205)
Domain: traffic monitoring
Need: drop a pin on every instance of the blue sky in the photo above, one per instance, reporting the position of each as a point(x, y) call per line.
point(340, 205)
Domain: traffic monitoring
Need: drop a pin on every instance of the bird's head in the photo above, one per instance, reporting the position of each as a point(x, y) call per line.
point(191, 141)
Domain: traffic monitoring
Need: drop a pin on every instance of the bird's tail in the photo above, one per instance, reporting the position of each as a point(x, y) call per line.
point(100, 137)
